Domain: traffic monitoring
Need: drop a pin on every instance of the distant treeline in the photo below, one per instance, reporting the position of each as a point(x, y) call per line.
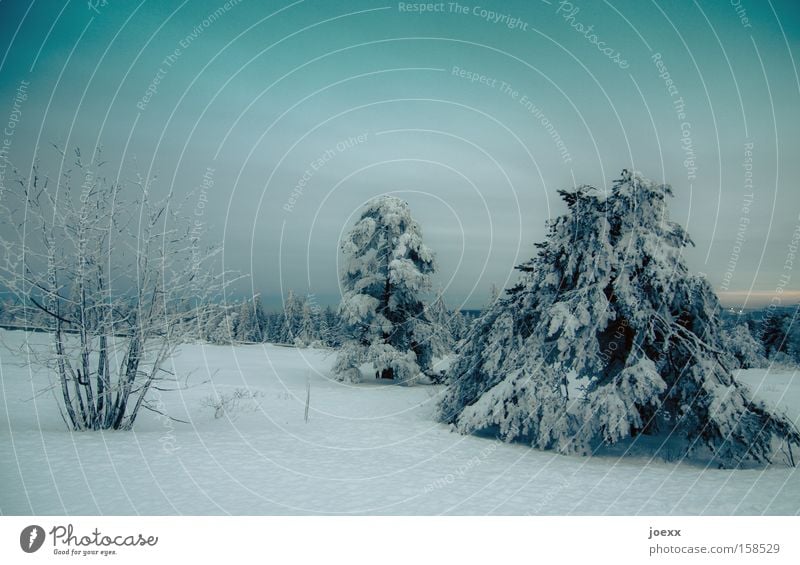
point(301, 322)
point(304, 322)
point(759, 337)
point(755, 337)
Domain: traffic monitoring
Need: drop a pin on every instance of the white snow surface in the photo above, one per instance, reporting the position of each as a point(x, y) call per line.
point(370, 448)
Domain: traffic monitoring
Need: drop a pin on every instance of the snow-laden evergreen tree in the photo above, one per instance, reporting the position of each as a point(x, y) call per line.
point(308, 333)
point(458, 326)
point(608, 337)
point(494, 295)
point(330, 328)
point(292, 318)
point(387, 268)
point(779, 333)
point(221, 325)
point(260, 317)
point(251, 321)
point(792, 327)
point(274, 324)
point(773, 333)
point(744, 350)
point(467, 322)
point(442, 324)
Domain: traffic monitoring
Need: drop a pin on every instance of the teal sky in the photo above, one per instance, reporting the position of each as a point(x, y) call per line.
point(261, 91)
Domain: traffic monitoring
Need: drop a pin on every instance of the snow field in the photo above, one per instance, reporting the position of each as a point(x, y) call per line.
point(369, 448)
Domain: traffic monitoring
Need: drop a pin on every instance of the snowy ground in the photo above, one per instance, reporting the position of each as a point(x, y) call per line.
point(372, 448)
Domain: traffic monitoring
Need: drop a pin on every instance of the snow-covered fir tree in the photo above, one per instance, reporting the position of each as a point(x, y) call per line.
point(260, 316)
point(330, 328)
point(792, 328)
point(494, 295)
point(744, 350)
point(308, 333)
point(607, 337)
point(387, 268)
point(302, 322)
point(458, 326)
point(251, 321)
point(220, 326)
point(274, 326)
point(442, 324)
point(292, 318)
point(778, 331)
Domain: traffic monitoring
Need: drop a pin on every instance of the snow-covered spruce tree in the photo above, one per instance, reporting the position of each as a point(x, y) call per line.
point(274, 326)
point(779, 333)
point(442, 324)
point(458, 326)
point(387, 267)
point(608, 303)
point(217, 328)
point(329, 328)
point(291, 318)
point(309, 333)
point(251, 321)
point(744, 350)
